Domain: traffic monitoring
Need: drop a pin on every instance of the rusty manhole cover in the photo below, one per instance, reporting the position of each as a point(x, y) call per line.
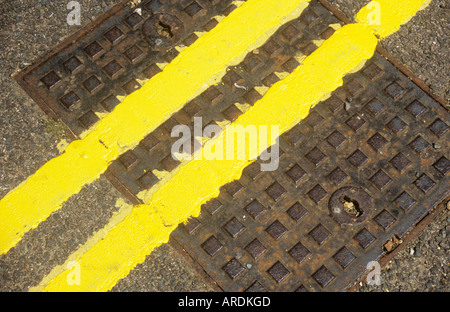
point(88, 72)
point(369, 172)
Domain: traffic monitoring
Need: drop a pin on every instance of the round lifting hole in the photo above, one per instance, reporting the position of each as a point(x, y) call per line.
point(350, 206)
point(163, 31)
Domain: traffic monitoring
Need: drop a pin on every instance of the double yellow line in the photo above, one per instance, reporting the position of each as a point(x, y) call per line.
point(193, 71)
point(197, 67)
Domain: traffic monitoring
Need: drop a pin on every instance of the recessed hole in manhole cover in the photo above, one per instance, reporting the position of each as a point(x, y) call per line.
point(163, 31)
point(350, 206)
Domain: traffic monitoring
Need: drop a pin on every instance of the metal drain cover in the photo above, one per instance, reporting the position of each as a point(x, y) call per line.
point(288, 230)
point(86, 74)
point(369, 170)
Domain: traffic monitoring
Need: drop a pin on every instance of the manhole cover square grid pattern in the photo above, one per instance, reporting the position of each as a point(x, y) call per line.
point(87, 77)
point(275, 231)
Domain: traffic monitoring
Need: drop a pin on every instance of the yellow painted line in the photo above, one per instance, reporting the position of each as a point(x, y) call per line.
point(103, 269)
point(190, 73)
point(34, 200)
point(118, 216)
point(284, 104)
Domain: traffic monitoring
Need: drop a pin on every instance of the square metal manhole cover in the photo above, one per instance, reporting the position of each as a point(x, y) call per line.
point(359, 173)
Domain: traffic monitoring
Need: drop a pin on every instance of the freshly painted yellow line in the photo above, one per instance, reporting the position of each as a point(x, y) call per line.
point(100, 269)
point(34, 200)
point(124, 210)
point(287, 102)
point(190, 73)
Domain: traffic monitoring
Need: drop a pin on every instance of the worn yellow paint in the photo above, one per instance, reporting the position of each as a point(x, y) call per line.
point(160, 174)
point(190, 73)
point(335, 26)
point(100, 115)
point(391, 14)
point(194, 182)
point(120, 98)
point(61, 146)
